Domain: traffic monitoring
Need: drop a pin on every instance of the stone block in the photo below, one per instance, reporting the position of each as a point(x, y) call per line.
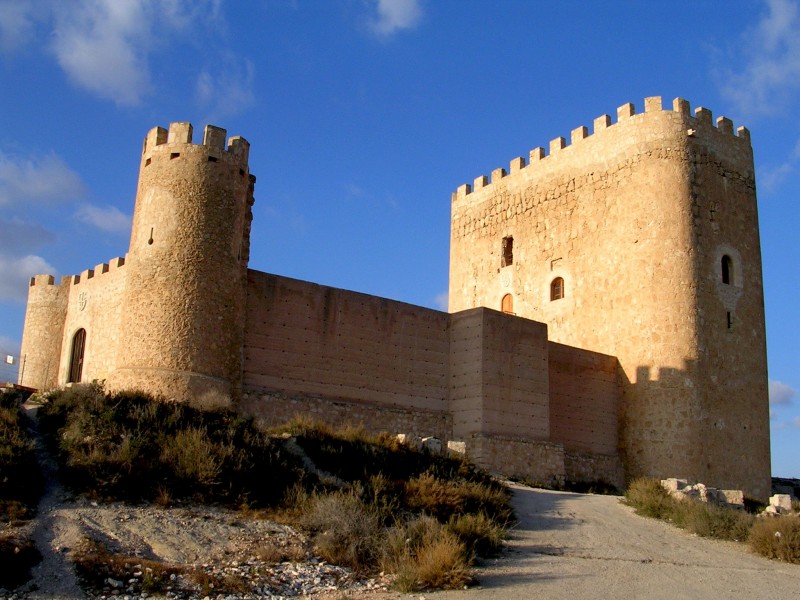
point(456, 448)
point(733, 498)
point(432, 445)
point(783, 502)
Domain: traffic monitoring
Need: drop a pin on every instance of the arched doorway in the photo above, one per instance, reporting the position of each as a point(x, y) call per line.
point(76, 356)
point(507, 305)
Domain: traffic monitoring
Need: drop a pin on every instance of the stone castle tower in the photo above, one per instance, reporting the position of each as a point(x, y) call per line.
point(169, 317)
point(640, 241)
point(183, 305)
point(627, 264)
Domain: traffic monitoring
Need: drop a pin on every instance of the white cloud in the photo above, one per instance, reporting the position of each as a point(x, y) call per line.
point(102, 45)
point(17, 19)
point(772, 53)
point(394, 15)
point(442, 301)
point(780, 393)
point(16, 272)
point(228, 90)
point(37, 180)
point(796, 422)
point(105, 218)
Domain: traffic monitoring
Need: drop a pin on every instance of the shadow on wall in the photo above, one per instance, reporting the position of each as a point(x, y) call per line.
point(696, 423)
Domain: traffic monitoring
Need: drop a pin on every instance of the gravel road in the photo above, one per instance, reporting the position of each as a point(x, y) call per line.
point(575, 546)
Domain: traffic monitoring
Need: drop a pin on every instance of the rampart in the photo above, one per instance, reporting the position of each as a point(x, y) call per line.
point(478, 376)
point(627, 262)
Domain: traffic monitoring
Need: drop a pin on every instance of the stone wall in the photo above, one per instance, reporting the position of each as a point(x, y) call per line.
point(95, 305)
point(632, 221)
point(276, 408)
point(539, 462)
point(308, 339)
point(498, 375)
point(584, 400)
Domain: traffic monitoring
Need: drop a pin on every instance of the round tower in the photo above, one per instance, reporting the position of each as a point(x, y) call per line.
point(41, 337)
point(183, 305)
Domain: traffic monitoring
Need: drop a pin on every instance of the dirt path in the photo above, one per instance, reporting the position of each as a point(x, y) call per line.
point(575, 546)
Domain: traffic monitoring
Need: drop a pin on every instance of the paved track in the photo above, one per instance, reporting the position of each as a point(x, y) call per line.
point(575, 546)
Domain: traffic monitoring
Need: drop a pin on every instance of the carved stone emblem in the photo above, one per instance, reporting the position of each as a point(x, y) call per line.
point(82, 299)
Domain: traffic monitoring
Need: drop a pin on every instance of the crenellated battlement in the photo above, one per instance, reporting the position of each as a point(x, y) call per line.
point(699, 124)
point(159, 140)
point(66, 280)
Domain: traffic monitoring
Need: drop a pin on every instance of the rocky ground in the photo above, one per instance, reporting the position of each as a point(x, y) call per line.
point(199, 548)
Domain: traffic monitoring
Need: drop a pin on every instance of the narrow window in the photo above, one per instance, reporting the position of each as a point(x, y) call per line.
point(730, 321)
point(508, 252)
point(76, 357)
point(508, 304)
point(557, 289)
point(727, 270)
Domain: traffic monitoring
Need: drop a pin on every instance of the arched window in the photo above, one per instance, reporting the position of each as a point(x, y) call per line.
point(508, 304)
point(557, 288)
point(76, 357)
point(727, 270)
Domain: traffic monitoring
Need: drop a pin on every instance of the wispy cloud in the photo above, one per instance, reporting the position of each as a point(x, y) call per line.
point(105, 46)
point(442, 301)
point(780, 393)
point(15, 273)
point(228, 90)
point(17, 19)
point(771, 50)
point(105, 218)
point(394, 15)
point(37, 180)
point(102, 45)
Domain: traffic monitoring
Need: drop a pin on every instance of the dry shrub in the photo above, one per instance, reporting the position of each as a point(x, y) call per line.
point(711, 521)
point(348, 532)
point(193, 456)
point(445, 498)
point(649, 498)
point(480, 535)
point(423, 554)
point(777, 537)
point(434, 496)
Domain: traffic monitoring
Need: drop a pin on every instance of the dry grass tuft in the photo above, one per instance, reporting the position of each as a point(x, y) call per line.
point(423, 554)
point(347, 532)
point(777, 538)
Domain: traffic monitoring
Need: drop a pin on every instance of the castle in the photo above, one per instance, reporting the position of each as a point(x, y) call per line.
point(606, 311)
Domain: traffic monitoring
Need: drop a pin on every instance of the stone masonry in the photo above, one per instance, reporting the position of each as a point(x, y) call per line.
point(606, 309)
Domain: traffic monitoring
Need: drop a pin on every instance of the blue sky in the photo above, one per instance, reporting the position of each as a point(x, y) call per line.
point(364, 116)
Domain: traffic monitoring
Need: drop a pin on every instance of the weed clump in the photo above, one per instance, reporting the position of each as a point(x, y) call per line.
point(777, 538)
point(650, 499)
